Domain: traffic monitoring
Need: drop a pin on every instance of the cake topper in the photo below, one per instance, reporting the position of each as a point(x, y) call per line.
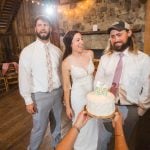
point(101, 89)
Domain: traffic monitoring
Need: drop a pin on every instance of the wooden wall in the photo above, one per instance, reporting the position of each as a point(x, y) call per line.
point(7, 48)
point(147, 29)
point(22, 30)
point(23, 25)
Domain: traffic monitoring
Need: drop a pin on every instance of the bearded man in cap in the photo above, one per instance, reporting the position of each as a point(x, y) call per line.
point(125, 70)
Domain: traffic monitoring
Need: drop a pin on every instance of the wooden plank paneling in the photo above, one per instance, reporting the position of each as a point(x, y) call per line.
point(147, 29)
point(16, 124)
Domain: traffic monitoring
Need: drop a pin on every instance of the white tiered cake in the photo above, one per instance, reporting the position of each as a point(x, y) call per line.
point(101, 103)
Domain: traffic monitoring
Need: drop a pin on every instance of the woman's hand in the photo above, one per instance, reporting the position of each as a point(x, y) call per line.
point(69, 112)
point(117, 120)
point(81, 119)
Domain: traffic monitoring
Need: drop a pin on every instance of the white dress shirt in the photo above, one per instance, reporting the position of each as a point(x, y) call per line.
point(134, 86)
point(33, 72)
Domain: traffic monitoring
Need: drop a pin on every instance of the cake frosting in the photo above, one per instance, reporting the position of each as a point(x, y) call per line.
point(101, 102)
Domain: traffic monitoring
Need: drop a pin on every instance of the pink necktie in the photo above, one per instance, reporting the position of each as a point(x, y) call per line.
point(117, 75)
point(49, 68)
point(5, 67)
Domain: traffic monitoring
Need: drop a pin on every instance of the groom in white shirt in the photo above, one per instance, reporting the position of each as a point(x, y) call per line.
point(132, 90)
point(39, 83)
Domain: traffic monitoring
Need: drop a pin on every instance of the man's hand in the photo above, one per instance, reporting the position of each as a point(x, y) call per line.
point(141, 111)
point(113, 89)
point(31, 108)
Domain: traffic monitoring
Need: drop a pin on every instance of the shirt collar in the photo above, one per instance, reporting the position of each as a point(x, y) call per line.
point(125, 52)
point(41, 43)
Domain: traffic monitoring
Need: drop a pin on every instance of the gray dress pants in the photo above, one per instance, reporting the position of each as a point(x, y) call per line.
point(46, 102)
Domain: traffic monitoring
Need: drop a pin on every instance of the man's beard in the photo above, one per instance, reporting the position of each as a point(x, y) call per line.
point(122, 47)
point(43, 37)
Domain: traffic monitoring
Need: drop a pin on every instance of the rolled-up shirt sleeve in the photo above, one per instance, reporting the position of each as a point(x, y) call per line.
point(25, 82)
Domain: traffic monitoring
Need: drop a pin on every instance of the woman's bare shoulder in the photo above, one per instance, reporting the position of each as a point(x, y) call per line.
point(89, 53)
point(65, 62)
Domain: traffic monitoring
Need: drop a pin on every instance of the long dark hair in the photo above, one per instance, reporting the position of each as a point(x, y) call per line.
point(68, 41)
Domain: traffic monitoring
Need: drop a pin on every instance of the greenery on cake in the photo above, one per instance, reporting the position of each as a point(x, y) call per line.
point(101, 89)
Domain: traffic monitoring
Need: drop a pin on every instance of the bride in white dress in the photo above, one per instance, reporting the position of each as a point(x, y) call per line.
point(77, 71)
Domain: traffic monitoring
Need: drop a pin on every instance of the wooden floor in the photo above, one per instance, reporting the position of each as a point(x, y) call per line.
point(15, 125)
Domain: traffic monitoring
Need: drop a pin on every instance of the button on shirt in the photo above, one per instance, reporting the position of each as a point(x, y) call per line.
point(134, 86)
point(33, 73)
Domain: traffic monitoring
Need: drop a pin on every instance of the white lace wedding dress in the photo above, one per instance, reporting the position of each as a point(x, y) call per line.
point(82, 79)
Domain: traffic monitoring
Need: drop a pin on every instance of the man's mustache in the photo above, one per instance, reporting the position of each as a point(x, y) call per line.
point(42, 32)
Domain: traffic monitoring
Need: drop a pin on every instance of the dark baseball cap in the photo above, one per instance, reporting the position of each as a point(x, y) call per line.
point(119, 25)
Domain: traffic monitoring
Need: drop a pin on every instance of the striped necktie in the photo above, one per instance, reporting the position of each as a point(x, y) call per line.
point(49, 68)
point(117, 75)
